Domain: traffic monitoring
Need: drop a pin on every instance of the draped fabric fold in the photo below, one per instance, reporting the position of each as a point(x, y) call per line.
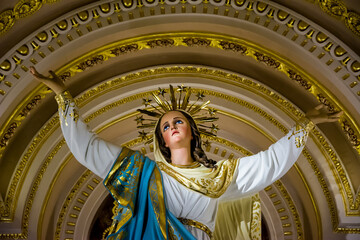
point(135, 183)
point(239, 219)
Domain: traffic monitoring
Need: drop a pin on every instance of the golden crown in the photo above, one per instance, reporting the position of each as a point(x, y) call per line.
point(181, 103)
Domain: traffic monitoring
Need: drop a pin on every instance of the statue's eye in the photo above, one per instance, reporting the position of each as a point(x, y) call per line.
point(166, 127)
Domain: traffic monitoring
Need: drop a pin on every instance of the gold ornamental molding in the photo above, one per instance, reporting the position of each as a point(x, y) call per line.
point(226, 43)
point(217, 75)
point(338, 9)
point(263, 14)
point(24, 8)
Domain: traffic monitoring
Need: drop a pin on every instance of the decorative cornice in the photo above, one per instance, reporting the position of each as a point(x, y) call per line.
point(335, 8)
point(260, 13)
point(226, 43)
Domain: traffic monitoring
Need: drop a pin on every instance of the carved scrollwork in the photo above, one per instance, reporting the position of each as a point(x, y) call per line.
point(8, 134)
point(30, 106)
point(338, 9)
point(271, 62)
point(160, 43)
point(124, 49)
point(65, 76)
point(353, 22)
point(26, 7)
point(91, 62)
point(298, 78)
point(334, 7)
point(322, 99)
point(7, 20)
point(350, 133)
point(233, 46)
point(197, 42)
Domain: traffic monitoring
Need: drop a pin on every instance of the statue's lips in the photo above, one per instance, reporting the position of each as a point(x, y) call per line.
point(174, 132)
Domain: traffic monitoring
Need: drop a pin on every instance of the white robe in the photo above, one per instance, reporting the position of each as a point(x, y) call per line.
point(253, 174)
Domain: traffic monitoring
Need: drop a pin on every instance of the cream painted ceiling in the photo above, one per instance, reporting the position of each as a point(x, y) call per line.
point(261, 63)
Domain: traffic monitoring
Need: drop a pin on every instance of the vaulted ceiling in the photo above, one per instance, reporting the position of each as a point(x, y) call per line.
point(261, 63)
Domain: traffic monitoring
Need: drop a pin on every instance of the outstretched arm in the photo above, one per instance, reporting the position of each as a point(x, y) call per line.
point(90, 150)
point(256, 172)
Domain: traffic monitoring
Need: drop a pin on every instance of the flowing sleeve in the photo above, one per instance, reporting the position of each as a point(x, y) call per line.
point(258, 171)
point(90, 150)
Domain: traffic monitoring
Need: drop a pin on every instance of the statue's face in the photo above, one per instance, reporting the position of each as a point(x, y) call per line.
point(176, 130)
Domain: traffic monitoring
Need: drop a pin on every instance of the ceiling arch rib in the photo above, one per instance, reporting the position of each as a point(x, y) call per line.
point(270, 16)
point(185, 39)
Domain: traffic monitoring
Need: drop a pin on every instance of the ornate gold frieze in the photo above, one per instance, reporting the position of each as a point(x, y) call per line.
point(160, 43)
point(20, 113)
point(124, 49)
point(91, 62)
point(335, 8)
point(196, 41)
point(22, 9)
point(324, 100)
point(282, 16)
point(8, 135)
point(271, 62)
point(338, 9)
point(299, 79)
point(350, 133)
point(7, 20)
point(226, 45)
point(30, 106)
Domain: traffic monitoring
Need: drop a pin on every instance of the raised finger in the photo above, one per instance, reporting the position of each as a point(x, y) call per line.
point(36, 73)
point(32, 70)
point(333, 119)
point(320, 106)
point(338, 114)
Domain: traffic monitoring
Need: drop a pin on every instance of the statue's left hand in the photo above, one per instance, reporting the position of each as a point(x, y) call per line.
point(320, 115)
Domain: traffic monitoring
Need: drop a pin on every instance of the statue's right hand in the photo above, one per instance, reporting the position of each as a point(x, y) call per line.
point(53, 82)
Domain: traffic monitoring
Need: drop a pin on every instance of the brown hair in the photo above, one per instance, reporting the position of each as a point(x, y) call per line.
point(197, 153)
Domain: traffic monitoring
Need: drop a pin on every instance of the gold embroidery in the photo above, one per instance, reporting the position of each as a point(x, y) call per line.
point(62, 99)
point(157, 199)
point(121, 188)
point(304, 126)
point(212, 187)
point(255, 226)
point(74, 115)
point(65, 101)
point(172, 232)
point(198, 225)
